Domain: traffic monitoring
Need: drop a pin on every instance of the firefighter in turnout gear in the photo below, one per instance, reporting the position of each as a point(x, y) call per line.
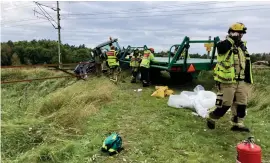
point(113, 64)
point(233, 75)
point(148, 56)
point(135, 64)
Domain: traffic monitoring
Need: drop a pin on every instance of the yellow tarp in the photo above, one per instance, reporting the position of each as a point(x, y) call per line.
point(162, 91)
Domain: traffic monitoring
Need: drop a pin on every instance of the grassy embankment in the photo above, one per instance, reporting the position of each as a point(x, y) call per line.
point(66, 121)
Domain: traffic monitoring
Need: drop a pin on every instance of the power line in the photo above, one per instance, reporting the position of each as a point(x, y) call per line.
point(24, 24)
point(161, 15)
point(44, 13)
point(49, 17)
point(108, 13)
point(147, 9)
point(142, 16)
point(18, 21)
point(171, 10)
point(16, 7)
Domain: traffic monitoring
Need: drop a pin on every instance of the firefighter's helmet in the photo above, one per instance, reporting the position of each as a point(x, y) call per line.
point(152, 50)
point(238, 27)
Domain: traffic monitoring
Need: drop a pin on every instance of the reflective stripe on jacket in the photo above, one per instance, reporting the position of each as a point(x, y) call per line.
point(112, 58)
point(135, 61)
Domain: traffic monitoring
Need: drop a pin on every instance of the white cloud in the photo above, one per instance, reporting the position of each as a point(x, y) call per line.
point(138, 23)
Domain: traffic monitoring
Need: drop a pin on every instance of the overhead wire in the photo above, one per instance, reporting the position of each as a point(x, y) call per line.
point(23, 24)
point(156, 7)
point(16, 7)
point(129, 12)
point(142, 16)
point(3, 22)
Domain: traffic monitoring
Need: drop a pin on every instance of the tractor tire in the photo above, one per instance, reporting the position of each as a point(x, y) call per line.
point(181, 77)
point(154, 74)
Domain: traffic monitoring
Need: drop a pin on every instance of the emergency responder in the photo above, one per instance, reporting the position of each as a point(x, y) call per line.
point(135, 64)
point(148, 56)
point(104, 63)
point(233, 76)
point(113, 64)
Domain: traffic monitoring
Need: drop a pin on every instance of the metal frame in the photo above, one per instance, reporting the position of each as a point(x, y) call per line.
point(187, 42)
point(172, 61)
point(124, 54)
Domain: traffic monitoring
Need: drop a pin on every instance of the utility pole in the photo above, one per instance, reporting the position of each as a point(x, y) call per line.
point(51, 19)
point(59, 35)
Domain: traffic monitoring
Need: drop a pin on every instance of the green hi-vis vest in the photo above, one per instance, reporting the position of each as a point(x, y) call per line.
point(146, 59)
point(111, 58)
point(135, 61)
point(232, 65)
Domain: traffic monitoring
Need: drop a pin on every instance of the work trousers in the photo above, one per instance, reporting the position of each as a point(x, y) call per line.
point(145, 72)
point(231, 95)
point(115, 73)
point(134, 72)
point(98, 69)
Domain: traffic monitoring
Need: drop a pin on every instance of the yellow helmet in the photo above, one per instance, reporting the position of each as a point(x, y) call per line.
point(238, 27)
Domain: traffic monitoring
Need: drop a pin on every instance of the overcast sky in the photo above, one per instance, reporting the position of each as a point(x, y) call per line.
point(156, 24)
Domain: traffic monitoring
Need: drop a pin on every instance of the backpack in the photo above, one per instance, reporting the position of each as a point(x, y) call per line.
point(112, 144)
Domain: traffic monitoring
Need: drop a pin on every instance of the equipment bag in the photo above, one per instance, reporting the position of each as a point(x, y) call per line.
point(112, 144)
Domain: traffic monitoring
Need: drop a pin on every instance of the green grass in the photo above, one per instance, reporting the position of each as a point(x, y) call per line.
point(64, 120)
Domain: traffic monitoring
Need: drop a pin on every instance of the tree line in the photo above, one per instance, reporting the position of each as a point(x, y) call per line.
point(46, 51)
point(40, 52)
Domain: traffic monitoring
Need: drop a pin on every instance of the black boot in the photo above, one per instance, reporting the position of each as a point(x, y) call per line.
point(211, 124)
point(133, 80)
point(240, 128)
point(215, 115)
point(238, 125)
point(210, 121)
point(237, 120)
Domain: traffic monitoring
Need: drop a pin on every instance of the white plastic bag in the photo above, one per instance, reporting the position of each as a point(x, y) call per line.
point(198, 88)
point(207, 99)
point(188, 93)
point(180, 101)
point(201, 111)
point(199, 100)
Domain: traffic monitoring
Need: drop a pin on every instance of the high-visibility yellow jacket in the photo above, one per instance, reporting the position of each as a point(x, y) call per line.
point(135, 61)
point(112, 58)
point(233, 62)
point(147, 58)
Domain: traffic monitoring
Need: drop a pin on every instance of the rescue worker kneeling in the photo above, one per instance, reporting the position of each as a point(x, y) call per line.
point(135, 64)
point(148, 56)
point(233, 75)
point(113, 64)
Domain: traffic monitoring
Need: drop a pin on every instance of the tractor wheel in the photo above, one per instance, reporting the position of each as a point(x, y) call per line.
point(154, 74)
point(181, 77)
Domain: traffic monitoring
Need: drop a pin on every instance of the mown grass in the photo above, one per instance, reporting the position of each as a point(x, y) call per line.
point(67, 120)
